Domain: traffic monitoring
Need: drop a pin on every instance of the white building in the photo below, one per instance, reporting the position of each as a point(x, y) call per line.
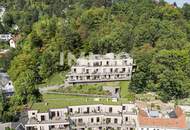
point(6, 84)
point(5, 37)
point(106, 117)
point(101, 68)
point(94, 117)
point(12, 43)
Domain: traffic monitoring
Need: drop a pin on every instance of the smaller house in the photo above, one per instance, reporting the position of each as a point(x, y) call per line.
point(6, 84)
point(14, 40)
point(5, 37)
point(12, 43)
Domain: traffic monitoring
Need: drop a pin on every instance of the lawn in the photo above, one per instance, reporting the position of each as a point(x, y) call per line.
point(85, 89)
point(125, 92)
point(55, 79)
point(61, 101)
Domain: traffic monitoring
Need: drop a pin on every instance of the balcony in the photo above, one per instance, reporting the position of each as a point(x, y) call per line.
point(61, 120)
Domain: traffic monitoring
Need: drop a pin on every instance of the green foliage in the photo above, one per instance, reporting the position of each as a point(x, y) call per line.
point(186, 11)
point(157, 35)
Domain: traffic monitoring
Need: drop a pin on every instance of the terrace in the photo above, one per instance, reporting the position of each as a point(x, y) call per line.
point(169, 118)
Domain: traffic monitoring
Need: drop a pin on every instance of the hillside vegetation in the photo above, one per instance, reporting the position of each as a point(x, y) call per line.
point(157, 35)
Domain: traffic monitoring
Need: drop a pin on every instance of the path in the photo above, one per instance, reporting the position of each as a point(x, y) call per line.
point(49, 88)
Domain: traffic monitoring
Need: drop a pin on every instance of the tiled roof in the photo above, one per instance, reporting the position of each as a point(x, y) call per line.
point(179, 122)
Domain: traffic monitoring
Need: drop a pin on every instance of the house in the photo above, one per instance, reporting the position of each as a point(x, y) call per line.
point(5, 37)
point(101, 68)
point(20, 125)
point(12, 43)
point(14, 40)
point(173, 119)
point(6, 84)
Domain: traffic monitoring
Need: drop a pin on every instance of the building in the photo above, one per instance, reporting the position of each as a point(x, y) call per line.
point(173, 119)
point(5, 37)
point(106, 117)
point(94, 117)
point(12, 43)
point(6, 84)
point(101, 68)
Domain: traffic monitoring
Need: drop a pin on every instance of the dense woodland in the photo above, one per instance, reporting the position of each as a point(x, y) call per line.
point(157, 35)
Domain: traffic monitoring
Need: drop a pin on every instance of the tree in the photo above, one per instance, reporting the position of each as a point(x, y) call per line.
point(26, 89)
point(24, 74)
point(143, 56)
point(186, 11)
point(173, 85)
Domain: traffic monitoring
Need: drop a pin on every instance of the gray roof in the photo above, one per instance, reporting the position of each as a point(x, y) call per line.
point(4, 78)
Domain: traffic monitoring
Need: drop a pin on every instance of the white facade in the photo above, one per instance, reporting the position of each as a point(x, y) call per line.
point(12, 43)
point(84, 117)
point(91, 117)
point(99, 68)
point(5, 37)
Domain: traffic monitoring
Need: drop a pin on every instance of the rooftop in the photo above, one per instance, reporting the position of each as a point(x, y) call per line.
point(106, 56)
point(174, 118)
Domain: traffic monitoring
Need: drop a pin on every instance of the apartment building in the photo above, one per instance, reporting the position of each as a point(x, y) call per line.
point(101, 68)
point(84, 117)
point(107, 117)
point(55, 119)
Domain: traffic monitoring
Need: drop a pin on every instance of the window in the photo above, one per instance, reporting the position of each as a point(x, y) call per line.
point(57, 113)
point(123, 107)
point(115, 120)
point(42, 118)
point(92, 120)
point(107, 62)
point(33, 113)
point(108, 120)
point(98, 108)
point(110, 109)
point(97, 119)
point(111, 70)
point(71, 110)
point(126, 118)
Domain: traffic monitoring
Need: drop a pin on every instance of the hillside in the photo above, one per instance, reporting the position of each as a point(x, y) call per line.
point(157, 35)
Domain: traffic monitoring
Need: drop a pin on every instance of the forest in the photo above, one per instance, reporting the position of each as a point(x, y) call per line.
point(156, 34)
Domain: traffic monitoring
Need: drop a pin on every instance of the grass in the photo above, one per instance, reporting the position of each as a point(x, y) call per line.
point(125, 92)
point(85, 89)
point(61, 101)
point(55, 79)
